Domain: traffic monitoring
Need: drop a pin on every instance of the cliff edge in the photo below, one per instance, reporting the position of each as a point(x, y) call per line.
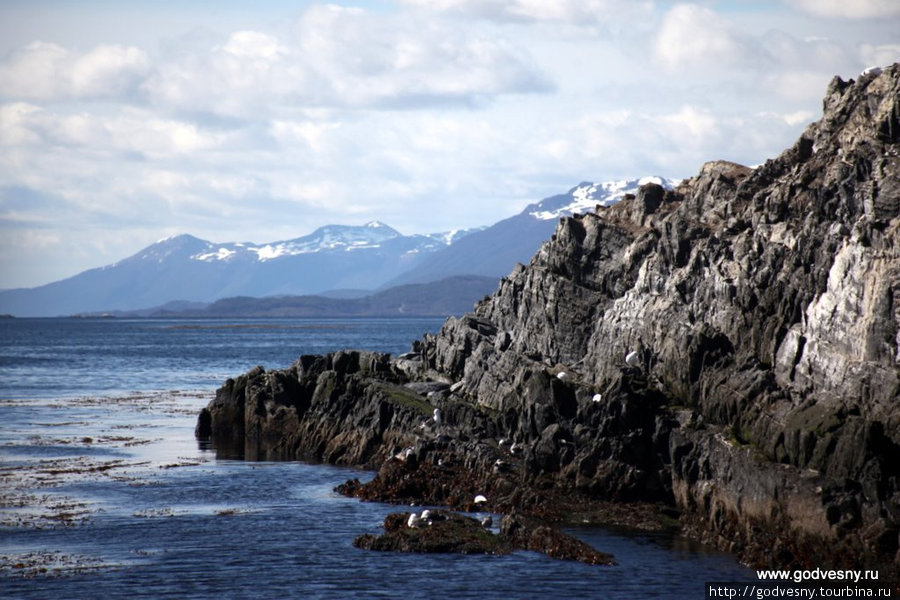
point(760, 311)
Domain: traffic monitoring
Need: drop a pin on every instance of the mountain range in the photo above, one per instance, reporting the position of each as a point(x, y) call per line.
point(328, 262)
point(495, 250)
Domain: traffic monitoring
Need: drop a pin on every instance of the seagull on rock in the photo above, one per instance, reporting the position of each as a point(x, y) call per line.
point(437, 416)
point(404, 454)
point(500, 466)
point(632, 359)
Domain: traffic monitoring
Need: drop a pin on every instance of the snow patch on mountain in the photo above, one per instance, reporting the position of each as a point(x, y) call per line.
point(586, 196)
point(330, 238)
point(220, 254)
point(454, 235)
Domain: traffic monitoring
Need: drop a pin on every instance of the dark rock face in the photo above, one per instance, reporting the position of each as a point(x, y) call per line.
point(762, 307)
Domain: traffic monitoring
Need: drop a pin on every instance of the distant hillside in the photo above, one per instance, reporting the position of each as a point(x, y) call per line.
point(186, 268)
point(451, 296)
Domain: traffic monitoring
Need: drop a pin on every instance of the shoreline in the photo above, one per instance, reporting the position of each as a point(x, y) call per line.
point(128, 446)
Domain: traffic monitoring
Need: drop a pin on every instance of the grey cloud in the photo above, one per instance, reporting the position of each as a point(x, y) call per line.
point(849, 9)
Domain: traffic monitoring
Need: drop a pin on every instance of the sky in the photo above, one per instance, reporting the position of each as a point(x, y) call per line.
point(122, 123)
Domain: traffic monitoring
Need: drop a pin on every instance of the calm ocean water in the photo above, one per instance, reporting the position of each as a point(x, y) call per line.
point(104, 493)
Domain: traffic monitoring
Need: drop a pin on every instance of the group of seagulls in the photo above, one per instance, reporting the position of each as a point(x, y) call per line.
point(632, 359)
point(423, 520)
point(427, 518)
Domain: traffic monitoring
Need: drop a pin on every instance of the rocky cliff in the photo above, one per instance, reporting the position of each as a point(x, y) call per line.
point(761, 400)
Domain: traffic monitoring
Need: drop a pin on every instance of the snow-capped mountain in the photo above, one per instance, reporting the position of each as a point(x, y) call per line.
point(325, 239)
point(184, 267)
point(334, 257)
point(586, 196)
point(494, 251)
point(329, 238)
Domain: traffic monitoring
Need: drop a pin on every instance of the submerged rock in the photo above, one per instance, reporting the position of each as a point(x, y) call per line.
point(446, 532)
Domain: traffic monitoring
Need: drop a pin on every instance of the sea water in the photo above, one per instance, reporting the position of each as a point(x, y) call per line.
point(104, 493)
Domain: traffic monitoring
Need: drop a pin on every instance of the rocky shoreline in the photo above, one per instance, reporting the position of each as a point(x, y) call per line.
point(760, 406)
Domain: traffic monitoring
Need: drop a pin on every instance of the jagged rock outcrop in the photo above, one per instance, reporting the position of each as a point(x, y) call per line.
point(763, 306)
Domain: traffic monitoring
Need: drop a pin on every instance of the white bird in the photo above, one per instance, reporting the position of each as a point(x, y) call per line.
point(437, 416)
point(598, 398)
point(500, 467)
point(426, 514)
point(414, 520)
point(479, 499)
point(874, 71)
point(404, 454)
point(562, 375)
point(632, 359)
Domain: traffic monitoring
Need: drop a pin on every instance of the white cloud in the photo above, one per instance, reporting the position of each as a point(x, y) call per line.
point(783, 50)
point(402, 60)
point(694, 35)
point(849, 9)
point(256, 45)
point(691, 125)
point(131, 131)
point(879, 55)
point(346, 58)
point(667, 141)
point(800, 117)
point(15, 119)
point(35, 71)
point(572, 12)
point(45, 71)
point(336, 57)
point(797, 86)
point(312, 135)
point(108, 71)
point(251, 74)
